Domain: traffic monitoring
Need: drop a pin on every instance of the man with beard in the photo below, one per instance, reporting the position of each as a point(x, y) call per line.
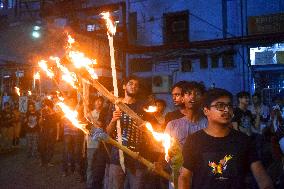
point(132, 137)
point(219, 157)
point(177, 100)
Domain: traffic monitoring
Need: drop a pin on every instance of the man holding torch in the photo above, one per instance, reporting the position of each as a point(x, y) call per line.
point(132, 137)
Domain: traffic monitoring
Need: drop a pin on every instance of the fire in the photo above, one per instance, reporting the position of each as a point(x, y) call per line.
point(69, 77)
point(80, 60)
point(161, 137)
point(44, 67)
point(70, 41)
point(110, 26)
point(29, 93)
point(151, 109)
point(72, 116)
point(36, 76)
point(49, 97)
point(18, 91)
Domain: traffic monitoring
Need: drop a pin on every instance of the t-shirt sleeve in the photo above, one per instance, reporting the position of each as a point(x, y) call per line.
point(189, 154)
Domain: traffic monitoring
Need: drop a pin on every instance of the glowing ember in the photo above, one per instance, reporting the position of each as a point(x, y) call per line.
point(161, 137)
point(69, 77)
point(151, 109)
point(80, 60)
point(29, 93)
point(36, 76)
point(44, 67)
point(110, 26)
point(18, 91)
point(72, 117)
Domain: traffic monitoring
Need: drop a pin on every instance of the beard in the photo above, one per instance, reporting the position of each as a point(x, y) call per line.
point(133, 95)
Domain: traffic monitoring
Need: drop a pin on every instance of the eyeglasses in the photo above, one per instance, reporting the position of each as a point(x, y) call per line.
point(222, 106)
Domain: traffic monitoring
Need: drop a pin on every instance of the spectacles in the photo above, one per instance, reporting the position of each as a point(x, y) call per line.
point(222, 106)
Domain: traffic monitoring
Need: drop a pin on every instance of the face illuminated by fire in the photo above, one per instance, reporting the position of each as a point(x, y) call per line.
point(132, 87)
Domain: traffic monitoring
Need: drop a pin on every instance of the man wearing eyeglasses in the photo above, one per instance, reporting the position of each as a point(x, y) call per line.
point(219, 157)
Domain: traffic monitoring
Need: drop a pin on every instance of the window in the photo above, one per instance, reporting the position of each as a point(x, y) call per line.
point(228, 60)
point(140, 65)
point(176, 27)
point(186, 64)
point(214, 61)
point(203, 62)
point(132, 27)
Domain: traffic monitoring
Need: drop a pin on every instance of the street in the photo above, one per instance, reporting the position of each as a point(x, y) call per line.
point(18, 172)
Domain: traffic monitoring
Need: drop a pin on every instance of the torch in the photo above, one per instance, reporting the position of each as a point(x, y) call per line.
point(110, 33)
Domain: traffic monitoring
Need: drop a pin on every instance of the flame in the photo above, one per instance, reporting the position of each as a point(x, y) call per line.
point(29, 93)
point(69, 77)
point(72, 116)
point(49, 97)
point(80, 60)
point(36, 76)
point(70, 41)
point(161, 137)
point(18, 91)
point(151, 109)
point(44, 67)
point(110, 26)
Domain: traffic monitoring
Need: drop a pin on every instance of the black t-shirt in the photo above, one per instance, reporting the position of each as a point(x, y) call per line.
point(172, 116)
point(243, 118)
point(218, 163)
point(32, 122)
point(132, 137)
point(49, 120)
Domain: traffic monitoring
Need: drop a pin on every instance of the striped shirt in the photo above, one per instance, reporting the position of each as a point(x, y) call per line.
point(179, 129)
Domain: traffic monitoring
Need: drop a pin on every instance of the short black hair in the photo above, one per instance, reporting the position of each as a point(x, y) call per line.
point(131, 77)
point(179, 84)
point(243, 94)
point(162, 102)
point(99, 98)
point(213, 94)
point(191, 85)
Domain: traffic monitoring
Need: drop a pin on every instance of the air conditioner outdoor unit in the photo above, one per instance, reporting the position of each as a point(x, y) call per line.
point(161, 84)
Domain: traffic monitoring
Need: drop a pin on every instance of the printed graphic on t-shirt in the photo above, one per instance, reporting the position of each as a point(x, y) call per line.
point(32, 121)
point(219, 166)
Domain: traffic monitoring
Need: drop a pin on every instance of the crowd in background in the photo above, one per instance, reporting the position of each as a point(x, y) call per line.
point(42, 125)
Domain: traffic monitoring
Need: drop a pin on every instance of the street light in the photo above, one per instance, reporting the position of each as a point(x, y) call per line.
point(36, 34)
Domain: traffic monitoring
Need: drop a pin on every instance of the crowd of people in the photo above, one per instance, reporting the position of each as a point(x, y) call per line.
point(222, 145)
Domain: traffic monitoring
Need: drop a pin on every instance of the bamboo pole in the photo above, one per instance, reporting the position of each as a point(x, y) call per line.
point(117, 102)
point(136, 156)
